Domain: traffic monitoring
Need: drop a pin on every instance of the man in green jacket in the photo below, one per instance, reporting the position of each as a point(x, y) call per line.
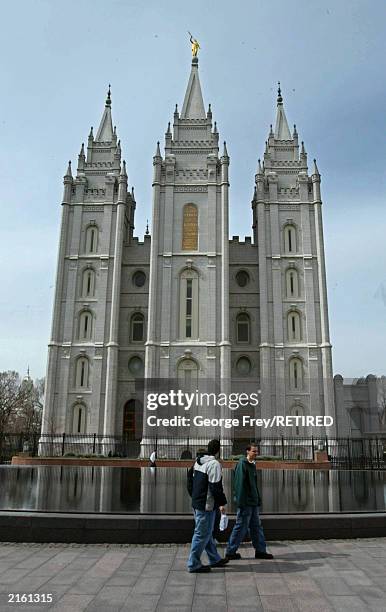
point(248, 501)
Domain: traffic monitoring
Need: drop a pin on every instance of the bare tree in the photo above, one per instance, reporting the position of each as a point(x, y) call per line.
point(28, 418)
point(12, 397)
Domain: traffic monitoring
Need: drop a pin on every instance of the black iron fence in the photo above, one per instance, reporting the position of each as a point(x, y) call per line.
point(345, 453)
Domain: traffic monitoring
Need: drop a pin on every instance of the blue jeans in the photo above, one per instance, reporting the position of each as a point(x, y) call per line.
point(247, 518)
point(203, 539)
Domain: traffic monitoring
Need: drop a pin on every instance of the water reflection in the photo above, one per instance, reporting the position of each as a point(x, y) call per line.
point(163, 490)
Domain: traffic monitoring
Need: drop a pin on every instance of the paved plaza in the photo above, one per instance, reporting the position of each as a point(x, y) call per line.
point(312, 576)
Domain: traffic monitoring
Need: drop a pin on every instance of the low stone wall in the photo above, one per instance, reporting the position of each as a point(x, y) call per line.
point(176, 529)
point(76, 461)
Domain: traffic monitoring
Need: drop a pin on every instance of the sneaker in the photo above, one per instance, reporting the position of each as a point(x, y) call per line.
point(233, 556)
point(263, 555)
point(201, 570)
point(220, 562)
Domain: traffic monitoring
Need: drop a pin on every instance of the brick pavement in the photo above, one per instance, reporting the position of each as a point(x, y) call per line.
point(307, 576)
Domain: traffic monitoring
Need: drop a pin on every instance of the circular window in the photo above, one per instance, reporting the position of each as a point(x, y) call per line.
point(242, 278)
point(243, 366)
point(139, 278)
point(136, 366)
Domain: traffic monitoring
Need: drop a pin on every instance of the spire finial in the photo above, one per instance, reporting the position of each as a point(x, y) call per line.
point(28, 371)
point(108, 99)
point(225, 151)
point(168, 130)
point(147, 227)
point(91, 134)
point(176, 110)
point(69, 172)
point(123, 169)
point(316, 171)
point(81, 154)
point(279, 98)
point(157, 151)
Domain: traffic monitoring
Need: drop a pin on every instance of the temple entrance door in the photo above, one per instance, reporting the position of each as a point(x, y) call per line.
point(128, 429)
point(132, 428)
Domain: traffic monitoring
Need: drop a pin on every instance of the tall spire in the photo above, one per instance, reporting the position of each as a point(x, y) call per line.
point(281, 129)
point(105, 130)
point(193, 107)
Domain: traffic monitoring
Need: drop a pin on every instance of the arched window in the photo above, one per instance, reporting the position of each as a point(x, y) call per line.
point(243, 327)
point(294, 330)
point(85, 326)
point(190, 228)
point(292, 283)
point(91, 239)
point(297, 411)
point(290, 239)
point(82, 373)
point(296, 374)
point(189, 304)
point(187, 373)
point(79, 419)
point(88, 283)
point(137, 327)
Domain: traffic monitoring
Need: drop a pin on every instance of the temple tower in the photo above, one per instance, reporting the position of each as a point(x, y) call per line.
point(97, 217)
point(295, 349)
point(188, 329)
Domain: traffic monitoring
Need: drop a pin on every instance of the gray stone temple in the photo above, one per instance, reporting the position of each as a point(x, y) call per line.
point(187, 302)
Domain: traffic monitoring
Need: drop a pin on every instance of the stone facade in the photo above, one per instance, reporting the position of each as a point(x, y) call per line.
point(188, 303)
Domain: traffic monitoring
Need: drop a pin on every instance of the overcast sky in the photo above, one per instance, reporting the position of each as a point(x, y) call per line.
point(57, 60)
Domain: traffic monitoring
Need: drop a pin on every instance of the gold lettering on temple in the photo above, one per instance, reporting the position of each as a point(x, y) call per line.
point(190, 228)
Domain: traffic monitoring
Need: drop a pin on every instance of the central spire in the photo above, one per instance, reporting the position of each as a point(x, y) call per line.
point(193, 106)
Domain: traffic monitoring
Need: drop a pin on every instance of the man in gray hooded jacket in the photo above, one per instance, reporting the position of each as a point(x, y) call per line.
point(207, 496)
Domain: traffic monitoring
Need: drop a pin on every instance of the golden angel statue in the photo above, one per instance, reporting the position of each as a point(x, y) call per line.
point(195, 45)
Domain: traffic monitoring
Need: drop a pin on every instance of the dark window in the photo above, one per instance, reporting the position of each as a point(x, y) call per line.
point(139, 278)
point(242, 328)
point(137, 327)
point(136, 366)
point(243, 366)
point(242, 278)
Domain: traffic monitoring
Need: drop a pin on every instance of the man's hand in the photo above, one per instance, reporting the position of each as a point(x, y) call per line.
point(222, 509)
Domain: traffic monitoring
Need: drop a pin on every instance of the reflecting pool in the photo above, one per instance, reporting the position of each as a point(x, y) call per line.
point(163, 490)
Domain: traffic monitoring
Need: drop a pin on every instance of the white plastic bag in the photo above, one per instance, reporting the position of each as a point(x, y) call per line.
point(223, 522)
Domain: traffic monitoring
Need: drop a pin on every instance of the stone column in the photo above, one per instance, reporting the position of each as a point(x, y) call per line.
point(154, 251)
point(112, 346)
point(325, 335)
point(53, 347)
point(225, 346)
